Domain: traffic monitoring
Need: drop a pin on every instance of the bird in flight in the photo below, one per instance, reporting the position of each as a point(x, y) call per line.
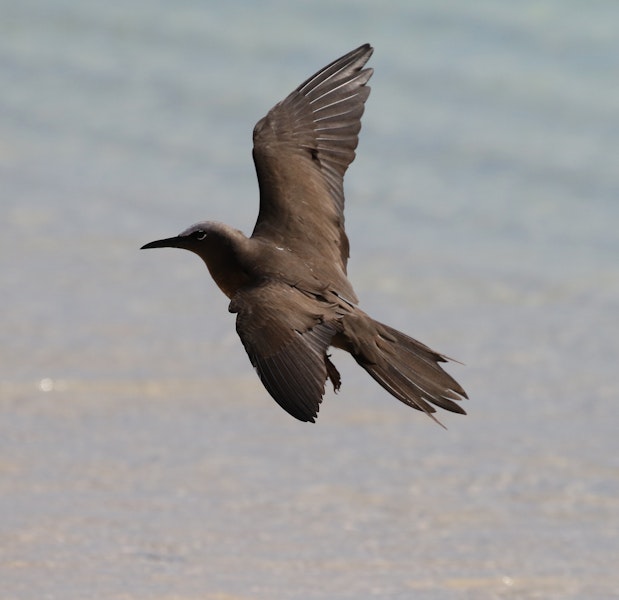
point(287, 283)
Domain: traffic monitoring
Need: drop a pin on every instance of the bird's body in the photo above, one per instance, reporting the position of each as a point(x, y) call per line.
point(287, 282)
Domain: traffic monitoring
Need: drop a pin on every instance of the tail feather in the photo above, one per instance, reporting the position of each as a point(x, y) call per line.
point(406, 368)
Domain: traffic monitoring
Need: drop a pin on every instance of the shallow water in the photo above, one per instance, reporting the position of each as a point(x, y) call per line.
point(139, 455)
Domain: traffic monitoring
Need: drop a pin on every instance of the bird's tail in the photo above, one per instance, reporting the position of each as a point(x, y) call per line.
point(406, 368)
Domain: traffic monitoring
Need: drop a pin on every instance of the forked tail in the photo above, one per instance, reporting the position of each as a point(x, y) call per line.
point(406, 368)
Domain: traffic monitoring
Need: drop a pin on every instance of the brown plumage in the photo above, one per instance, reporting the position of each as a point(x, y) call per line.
point(287, 282)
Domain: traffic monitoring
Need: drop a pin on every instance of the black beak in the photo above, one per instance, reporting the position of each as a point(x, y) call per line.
point(173, 242)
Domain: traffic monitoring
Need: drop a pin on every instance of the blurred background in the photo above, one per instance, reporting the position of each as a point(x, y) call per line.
point(140, 457)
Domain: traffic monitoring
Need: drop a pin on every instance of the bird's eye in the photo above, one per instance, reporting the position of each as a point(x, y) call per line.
point(200, 234)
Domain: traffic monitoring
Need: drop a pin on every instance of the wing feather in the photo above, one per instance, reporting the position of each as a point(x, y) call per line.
point(302, 149)
point(286, 335)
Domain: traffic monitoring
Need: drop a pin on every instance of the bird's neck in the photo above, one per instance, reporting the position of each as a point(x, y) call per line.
point(226, 256)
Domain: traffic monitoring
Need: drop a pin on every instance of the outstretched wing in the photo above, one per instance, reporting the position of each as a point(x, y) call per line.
point(302, 149)
point(286, 335)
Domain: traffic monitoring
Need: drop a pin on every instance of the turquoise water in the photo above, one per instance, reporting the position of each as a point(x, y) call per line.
point(140, 456)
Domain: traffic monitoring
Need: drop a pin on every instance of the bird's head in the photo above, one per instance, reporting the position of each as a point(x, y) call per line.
point(222, 248)
point(196, 238)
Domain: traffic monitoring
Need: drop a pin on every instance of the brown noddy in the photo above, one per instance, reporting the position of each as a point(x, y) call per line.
point(287, 282)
